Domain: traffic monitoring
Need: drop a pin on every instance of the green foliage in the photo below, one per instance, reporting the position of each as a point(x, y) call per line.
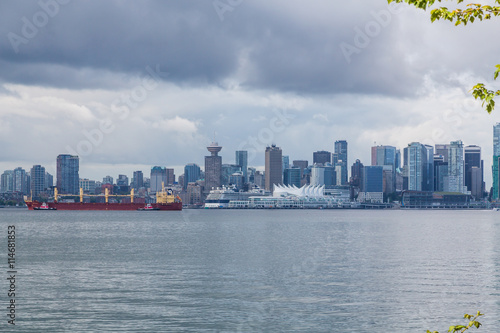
point(470, 13)
point(462, 328)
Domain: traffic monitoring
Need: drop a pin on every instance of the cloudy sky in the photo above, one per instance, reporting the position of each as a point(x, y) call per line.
point(131, 84)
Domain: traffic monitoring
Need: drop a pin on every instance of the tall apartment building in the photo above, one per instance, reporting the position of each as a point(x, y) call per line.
point(340, 158)
point(37, 180)
point(67, 174)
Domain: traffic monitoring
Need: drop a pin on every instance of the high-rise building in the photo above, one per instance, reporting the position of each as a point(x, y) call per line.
point(341, 159)
point(373, 179)
point(477, 188)
point(472, 159)
point(496, 158)
point(170, 176)
point(442, 149)
point(357, 174)
point(496, 178)
point(440, 174)
point(49, 180)
point(67, 174)
point(323, 175)
point(417, 167)
point(20, 181)
point(302, 164)
point(191, 174)
point(138, 181)
point(456, 177)
point(292, 176)
point(213, 167)
point(429, 168)
point(37, 180)
point(386, 156)
point(7, 182)
point(285, 161)
point(251, 174)
point(242, 161)
point(322, 157)
point(158, 176)
point(274, 165)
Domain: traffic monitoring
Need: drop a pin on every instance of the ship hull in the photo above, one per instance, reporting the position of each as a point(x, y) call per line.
point(35, 205)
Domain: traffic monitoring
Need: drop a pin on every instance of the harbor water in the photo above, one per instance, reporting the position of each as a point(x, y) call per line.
point(251, 270)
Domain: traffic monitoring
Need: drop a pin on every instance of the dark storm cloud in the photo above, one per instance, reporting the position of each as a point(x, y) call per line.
point(319, 47)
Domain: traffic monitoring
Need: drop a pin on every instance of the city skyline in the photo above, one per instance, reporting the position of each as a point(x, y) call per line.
point(157, 99)
point(455, 154)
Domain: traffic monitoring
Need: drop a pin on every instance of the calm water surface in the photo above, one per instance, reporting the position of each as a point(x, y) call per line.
point(252, 270)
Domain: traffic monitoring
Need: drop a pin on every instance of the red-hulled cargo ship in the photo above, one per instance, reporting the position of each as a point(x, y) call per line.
point(165, 200)
point(33, 205)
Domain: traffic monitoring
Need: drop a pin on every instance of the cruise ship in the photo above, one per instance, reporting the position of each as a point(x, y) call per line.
point(222, 196)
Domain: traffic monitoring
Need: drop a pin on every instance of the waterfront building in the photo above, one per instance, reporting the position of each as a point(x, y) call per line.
point(456, 167)
point(7, 182)
point(322, 157)
point(37, 174)
point(473, 171)
point(292, 176)
point(273, 165)
point(430, 200)
point(192, 173)
point(242, 161)
point(68, 174)
point(213, 167)
point(158, 176)
point(341, 159)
